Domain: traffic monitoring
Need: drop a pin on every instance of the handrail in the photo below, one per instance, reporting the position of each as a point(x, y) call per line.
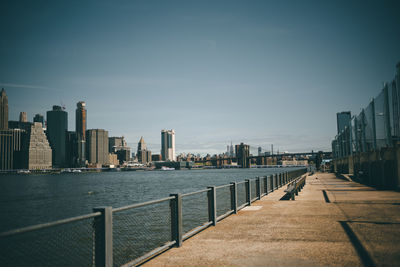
point(142, 204)
point(49, 224)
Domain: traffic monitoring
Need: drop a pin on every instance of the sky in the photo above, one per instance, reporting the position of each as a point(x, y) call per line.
point(258, 72)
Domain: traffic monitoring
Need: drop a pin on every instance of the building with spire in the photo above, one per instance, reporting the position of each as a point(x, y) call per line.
point(143, 155)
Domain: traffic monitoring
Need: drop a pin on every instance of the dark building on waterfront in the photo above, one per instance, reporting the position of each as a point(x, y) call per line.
point(57, 127)
point(71, 150)
point(242, 154)
point(97, 146)
point(39, 118)
point(80, 128)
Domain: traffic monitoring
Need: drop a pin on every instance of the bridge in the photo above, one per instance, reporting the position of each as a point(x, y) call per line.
point(247, 160)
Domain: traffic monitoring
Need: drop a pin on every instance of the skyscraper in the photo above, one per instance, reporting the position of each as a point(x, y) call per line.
point(57, 126)
point(143, 154)
point(3, 110)
point(80, 128)
point(97, 146)
point(23, 117)
point(168, 145)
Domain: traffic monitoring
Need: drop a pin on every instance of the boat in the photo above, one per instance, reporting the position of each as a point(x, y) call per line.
point(75, 170)
point(163, 168)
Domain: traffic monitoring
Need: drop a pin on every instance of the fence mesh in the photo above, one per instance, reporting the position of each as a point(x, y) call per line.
point(380, 113)
point(140, 230)
point(253, 189)
point(194, 211)
point(70, 244)
point(262, 189)
point(223, 200)
point(241, 193)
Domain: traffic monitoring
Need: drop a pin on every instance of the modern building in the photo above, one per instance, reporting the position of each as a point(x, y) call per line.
point(23, 117)
point(71, 150)
point(3, 110)
point(57, 127)
point(6, 150)
point(343, 120)
point(242, 154)
point(80, 128)
point(97, 146)
point(39, 118)
point(36, 152)
point(143, 155)
point(168, 145)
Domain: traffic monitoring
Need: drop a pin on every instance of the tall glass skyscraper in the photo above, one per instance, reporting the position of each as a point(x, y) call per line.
point(57, 127)
point(168, 145)
point(343, 120)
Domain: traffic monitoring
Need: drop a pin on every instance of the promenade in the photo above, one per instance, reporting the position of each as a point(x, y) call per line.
point(348, 225)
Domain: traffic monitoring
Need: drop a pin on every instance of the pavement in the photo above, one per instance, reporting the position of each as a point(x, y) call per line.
point(348, 225)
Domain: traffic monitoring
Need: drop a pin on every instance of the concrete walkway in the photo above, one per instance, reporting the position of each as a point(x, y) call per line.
point(358, 226)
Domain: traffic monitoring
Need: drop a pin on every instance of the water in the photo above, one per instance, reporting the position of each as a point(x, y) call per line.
point(31, 199)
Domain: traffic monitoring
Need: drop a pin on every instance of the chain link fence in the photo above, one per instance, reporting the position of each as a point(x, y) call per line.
point(224, 202)
point(70, 244)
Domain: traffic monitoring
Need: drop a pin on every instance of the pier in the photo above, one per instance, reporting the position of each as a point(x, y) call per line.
point(333, 221)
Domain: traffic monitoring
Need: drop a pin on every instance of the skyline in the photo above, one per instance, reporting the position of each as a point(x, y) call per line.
point(257, 72)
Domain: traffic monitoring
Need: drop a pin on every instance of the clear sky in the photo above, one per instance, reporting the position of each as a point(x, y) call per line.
point(259, 72)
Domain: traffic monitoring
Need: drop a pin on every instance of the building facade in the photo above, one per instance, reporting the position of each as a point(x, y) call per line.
point(97, 146)
point(36, 152)
point(23, 117)
point(242, 154)
point(168, 145)
point(143, 155)
point(80, 128)
point(57, 127)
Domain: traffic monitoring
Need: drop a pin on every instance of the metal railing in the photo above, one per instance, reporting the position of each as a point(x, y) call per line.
point(131, 235)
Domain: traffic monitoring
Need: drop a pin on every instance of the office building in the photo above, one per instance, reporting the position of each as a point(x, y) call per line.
point(3, 110)
point(23, 117)
point(57, 127)
point(168, 145)
point(116, 143)
point(242, 154)
point(143, 155)
point(80, 128)
point(97, 146)
point(39, 118)
point(36, 152)
point(71, 150)
point(343, 120)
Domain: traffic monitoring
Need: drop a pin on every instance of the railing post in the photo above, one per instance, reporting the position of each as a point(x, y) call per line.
point(248, 193)
point(266, 184)
point(176, 218)
point(272, 182)
point(103, 226)
point(212, 205)
point(280, 179)
point(258, 187)
point(234, 197)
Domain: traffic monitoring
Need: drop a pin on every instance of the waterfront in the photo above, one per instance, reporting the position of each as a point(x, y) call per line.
point(32, 199)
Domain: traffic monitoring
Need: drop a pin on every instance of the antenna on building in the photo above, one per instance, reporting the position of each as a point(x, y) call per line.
point(62, 105)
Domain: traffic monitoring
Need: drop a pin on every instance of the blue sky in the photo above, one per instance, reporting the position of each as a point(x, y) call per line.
point(258, 72)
